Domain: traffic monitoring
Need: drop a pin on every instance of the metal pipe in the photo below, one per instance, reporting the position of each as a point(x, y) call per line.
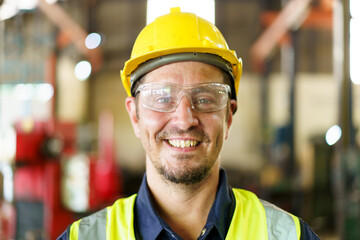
point(72, 30)
point(291, 14)
point(341, 52)
point(345, 118)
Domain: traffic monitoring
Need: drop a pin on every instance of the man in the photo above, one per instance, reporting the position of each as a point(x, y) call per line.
point(182, 82)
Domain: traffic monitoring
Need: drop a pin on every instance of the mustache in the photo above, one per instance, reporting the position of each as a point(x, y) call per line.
point(194, 132)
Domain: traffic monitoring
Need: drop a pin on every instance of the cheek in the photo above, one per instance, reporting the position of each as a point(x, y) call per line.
point(217, 127)
point(151, 123)
point(219, 121)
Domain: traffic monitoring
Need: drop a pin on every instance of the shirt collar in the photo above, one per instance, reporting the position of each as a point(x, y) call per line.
point(223, 207)
point(149, 224)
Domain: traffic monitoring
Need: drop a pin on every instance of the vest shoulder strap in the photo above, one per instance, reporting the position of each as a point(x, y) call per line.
point(114, 222)
point(258, 219)
point(249, 219)
point(120, 219)
point(281, 225)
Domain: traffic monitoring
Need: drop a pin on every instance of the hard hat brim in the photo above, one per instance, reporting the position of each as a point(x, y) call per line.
point(157, 59)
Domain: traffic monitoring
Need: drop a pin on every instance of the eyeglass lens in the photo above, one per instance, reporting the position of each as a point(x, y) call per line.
point(165, 97)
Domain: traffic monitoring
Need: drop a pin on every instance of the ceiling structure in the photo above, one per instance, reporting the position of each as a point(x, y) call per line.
point(241, 22)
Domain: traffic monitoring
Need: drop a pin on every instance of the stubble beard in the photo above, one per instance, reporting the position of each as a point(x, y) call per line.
point(185, 177)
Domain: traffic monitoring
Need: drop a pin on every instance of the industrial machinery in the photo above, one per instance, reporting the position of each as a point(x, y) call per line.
point(54, 183)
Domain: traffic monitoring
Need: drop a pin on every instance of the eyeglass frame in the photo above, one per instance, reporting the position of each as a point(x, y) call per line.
point(185, 92)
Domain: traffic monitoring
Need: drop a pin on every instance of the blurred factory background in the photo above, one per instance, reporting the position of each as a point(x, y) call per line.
point(67, 147)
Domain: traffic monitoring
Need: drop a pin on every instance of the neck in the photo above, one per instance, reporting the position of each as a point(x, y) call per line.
point(184, 208)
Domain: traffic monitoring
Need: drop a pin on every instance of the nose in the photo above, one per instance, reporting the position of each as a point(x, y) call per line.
point(184, 115)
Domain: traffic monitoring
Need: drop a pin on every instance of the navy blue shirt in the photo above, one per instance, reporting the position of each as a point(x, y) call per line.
point(150, 226)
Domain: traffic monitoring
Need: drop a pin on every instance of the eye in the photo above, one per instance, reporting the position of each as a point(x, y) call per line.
point(204, 101)
point(163, 100)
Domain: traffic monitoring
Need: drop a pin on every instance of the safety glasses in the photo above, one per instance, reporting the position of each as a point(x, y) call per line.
point(165, 97)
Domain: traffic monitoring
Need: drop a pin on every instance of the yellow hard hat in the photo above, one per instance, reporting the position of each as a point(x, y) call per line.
point(178, 37)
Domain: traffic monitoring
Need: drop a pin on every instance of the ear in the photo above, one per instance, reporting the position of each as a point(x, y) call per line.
point(232, 108)
point(131, 109)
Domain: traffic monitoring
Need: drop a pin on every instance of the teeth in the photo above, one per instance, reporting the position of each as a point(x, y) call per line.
point(182, 143)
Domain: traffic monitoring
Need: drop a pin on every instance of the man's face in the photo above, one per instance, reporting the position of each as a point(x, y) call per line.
point(183, 146)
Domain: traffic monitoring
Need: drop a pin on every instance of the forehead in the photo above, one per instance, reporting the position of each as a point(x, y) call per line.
point(185, 73)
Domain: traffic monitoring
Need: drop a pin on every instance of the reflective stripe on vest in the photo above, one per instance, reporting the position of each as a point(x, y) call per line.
point(114, 222)
point(257, 219)
point(252, 219)
point(283, 224)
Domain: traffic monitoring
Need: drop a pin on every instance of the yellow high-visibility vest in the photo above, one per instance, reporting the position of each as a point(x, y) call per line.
point(253, 219)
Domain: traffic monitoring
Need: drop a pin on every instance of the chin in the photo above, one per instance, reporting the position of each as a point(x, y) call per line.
point(186, 177)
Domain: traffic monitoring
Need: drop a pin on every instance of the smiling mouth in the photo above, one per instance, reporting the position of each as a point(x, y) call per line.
point(183, 143)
